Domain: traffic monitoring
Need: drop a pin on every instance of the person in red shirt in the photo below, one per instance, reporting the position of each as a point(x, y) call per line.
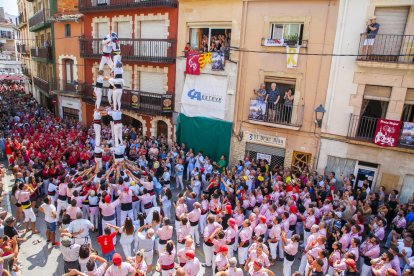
point(73, 160)
point(107, 243)
point(9, 150)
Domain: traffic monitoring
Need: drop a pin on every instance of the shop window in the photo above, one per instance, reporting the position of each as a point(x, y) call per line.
point(274, 156)
point(210, 39)
point(70, 113)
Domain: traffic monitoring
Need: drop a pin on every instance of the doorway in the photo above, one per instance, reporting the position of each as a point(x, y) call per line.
point(366, 172)
point(162, 129)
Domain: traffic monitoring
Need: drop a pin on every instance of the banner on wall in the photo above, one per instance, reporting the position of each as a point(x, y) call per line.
point(217, 61)
point(407, 135)
point(192, 66)
point(257, 110)
point(292, 55)
point(204, 96)
point(386, 132)
point(263, 156)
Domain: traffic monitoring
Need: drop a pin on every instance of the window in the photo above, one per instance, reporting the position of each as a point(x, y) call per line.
point(408, 113)
point(286, 32)
point(68, 76)
point(67, 30)
point(70, 113)
point(210, 39)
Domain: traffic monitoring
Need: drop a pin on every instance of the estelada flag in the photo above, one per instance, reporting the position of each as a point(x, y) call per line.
point(192, 65)
point(387, 132)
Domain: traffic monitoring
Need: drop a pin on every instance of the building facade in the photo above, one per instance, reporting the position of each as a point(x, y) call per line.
point(9, 34)
point(280, 126)
point(25, 43)
point(147, 33)
point(368, 91)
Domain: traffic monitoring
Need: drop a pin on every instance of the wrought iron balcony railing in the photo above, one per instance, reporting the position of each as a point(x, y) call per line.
point(109, 5)
point(39, 20)
point(42, 52)
point(278, 114)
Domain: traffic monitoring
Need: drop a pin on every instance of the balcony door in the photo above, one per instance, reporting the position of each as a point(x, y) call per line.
point(101, 30)
point(153, 29)
point(392, 22)
point(68, 79)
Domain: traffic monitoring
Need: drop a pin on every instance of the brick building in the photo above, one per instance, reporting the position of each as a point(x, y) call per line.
point(147, 33)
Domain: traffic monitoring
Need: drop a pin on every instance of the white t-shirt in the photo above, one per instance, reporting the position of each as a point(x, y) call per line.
point(78, 224)
point(49, 209)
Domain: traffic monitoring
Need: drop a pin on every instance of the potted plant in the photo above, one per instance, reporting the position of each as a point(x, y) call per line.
point(291, 40)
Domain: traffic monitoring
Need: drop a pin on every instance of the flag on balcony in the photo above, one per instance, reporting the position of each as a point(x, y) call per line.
point(192, 66)
point(292, 55)
point(387, 132)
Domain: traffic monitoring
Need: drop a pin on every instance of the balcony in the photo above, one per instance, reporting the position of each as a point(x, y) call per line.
point(26, 72)
point(22, 20)
point(44, 53)
point(139, 101)
point(143, 50)
point(279, 114)
point(39, 21)
point(362, 128)
point(268, 42)
point(67, 87)
point(110, 5)
point(386, 49)
point(42, 84)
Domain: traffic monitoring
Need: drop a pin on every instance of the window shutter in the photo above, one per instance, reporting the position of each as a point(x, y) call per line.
point(409, 97)
point(374, 91)
point(280, 80)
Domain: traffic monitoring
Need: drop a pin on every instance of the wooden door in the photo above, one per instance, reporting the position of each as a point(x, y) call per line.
point(300, 160)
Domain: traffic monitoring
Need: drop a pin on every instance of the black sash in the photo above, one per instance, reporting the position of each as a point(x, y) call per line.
point(195, 223)
point(367, 261)
point(126, 206)
point(108, 218)
point(119, 86)
point(99, 84)
point(118, 156)
point(290, 258)
point(62, 197)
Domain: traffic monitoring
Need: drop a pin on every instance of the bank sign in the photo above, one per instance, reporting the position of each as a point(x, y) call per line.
point(204, 96)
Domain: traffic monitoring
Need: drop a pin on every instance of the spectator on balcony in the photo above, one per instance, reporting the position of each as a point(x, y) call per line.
point(371, 32)
point(187, 49)
point(272, 101)
point(288, 105)
point(261, 93)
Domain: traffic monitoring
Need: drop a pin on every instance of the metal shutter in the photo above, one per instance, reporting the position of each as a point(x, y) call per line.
point(409, 97)
point(154, 29)
point(124, 29)
point(102, 29)
point(152, 82)
point(392, 20)
point(277, 154)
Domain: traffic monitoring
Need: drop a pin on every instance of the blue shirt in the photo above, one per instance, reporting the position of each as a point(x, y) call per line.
point(273, 95)
point(409, 217)
point(179, 169)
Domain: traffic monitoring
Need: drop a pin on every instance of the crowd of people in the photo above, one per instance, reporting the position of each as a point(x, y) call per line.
point(163, 203)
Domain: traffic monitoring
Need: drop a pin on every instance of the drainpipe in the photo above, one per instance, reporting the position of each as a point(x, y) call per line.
point(238, 121)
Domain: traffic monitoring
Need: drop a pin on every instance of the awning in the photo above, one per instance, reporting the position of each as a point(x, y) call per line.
point(11, 77)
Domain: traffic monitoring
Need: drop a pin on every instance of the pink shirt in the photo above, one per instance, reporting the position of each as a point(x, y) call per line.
point(122, 270)
point(292, 219)
point(146, 198)
point(270, 217)
point(245, 235)
point(345, 240)
point(192, 267)
point(275, 232)
point(335, 256)
point(215, 205)
point(165, 232)
point(399, 222)
point(314, 251)
point(194, 215)
point(63, 189)
point(260, 229)
point(291, 247)
point(354, 250)
point(126, 197)
point(221, 262)
point(311, 241)
point(148, 185)
point(285, 225)
point(181, 210)
point(217, 243)
point(204, 206)
point(182, 259)
point(262, 258)
point(183, 232)
point(209, 230)
point(310, 220)
point(22, 196)
point(108, 209)
point(166, 259)
point(380, 233)
point(263, 209)
point(231, 234)
point(72, 211)
point(372, 251)
point(239, 219)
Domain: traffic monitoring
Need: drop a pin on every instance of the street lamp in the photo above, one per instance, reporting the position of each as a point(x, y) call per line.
point(319, 113)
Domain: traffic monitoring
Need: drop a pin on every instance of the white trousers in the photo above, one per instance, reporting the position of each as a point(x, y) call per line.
point(125, 214)
point(109, 96)
point(29, 215)
point(287, 267)
point(366, 270)
point(242, 254)
point(281, 252)
point(168, 272)
point(85, 211)
point(149, 257)
point(61, 206)
point(135, 209)
point(167, 211)
point(118, 134)
point(118, 215)
point(273, 249)
point(208, 253)
point(116, 96)
point(98, 94)
point(303, 262)
point(196, 235)
point(127, 248)
point(231, 249)
point(179, 181)
point(202, 222)
point(105, 60)
point(306, 236)
point(93, 213)
point(117, 58)
point(97, 129)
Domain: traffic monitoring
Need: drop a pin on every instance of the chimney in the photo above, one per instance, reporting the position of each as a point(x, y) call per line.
point(2, 14)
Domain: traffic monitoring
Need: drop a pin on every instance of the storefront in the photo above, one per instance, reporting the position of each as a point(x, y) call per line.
point(70, 108)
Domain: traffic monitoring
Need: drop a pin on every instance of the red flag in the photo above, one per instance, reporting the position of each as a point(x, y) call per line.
point(387, 132)
point(192, 65)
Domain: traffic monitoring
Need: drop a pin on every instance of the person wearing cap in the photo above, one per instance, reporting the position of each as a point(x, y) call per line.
point(230, 234)
point(292, 220)
point(261, 229)
point(194, 218)
point(146, 243)
point(371, 32)
point(192, 266)
point(120, 268)
point(108, 212)
point(221, 261)
point(70, 253)
point(291, 247)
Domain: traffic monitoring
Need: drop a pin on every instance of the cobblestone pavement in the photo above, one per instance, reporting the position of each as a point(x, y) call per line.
point(43, 259)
